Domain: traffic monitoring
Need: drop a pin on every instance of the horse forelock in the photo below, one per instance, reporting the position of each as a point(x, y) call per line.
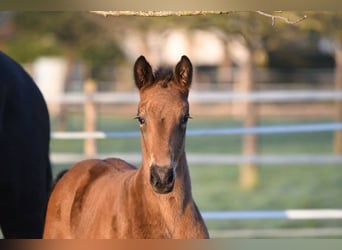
point(163, 75)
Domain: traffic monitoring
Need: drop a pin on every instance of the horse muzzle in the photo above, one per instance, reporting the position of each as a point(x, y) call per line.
point(162, 179)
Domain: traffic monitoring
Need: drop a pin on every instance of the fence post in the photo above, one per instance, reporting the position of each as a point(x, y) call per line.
point(89, 118)
point(248, 177)
point(338, 103)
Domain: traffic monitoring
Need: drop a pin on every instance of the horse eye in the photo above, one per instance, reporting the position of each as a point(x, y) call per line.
point(185, 119)
point(140, 120)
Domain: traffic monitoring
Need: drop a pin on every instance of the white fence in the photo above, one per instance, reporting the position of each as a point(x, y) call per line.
point(216, 158)
point(296, 214)
point(205, 159)
point(302, 128)
point(275, 96)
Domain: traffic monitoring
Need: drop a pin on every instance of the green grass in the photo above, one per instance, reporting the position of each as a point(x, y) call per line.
point(292, 187)
point(215, 187)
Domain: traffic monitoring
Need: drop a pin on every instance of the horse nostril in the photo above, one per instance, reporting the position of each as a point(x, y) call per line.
point(154, 178)
point(162, 178)
point(170, 177)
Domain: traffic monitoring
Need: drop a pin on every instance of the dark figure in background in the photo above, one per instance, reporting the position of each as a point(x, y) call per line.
point(25, 171)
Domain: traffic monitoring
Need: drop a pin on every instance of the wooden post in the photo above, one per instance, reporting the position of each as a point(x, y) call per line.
point(249, 178)
point(89, 118)
point(338, 103)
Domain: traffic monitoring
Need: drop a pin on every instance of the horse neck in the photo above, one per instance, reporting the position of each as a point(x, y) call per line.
point(182, 189)
point(182, 172)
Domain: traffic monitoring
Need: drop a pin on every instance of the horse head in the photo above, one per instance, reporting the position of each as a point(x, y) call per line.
point(163, 113)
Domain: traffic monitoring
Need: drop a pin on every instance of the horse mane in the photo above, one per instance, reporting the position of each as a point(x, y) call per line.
point(163, 75)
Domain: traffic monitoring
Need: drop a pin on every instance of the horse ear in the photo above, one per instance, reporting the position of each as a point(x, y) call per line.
point(183, 72)
point(143, 75)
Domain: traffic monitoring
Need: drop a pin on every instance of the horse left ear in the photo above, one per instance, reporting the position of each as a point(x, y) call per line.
point(183, 72)
point(143, 74)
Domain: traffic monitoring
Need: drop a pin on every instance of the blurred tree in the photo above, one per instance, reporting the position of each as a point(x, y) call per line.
point(76, 36)
point(329, 25)
point(320, 34)
point(73, 35)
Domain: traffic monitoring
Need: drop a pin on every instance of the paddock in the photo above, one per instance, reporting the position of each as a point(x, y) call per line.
point(230, 159)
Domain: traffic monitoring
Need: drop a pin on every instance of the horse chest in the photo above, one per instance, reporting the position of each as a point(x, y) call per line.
point(135, 222)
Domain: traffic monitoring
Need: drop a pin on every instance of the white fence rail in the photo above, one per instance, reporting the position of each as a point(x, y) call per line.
point(291, 214)
point(278, 233)
point(301, 128)
point(205, 159)
point(299, 214)
point(200, 159)
point(276, 96)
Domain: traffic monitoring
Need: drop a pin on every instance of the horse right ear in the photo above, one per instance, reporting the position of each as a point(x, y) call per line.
point(183, 72)
point(143, 75)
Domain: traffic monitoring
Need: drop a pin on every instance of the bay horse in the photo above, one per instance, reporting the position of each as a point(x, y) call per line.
point(25, 171)
point(111, 198)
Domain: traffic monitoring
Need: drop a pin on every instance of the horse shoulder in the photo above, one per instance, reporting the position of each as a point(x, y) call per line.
point(63, 195)
point(84, 174)
point(88, 185)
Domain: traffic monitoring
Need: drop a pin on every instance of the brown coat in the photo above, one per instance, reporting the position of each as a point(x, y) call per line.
point(112, 199)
